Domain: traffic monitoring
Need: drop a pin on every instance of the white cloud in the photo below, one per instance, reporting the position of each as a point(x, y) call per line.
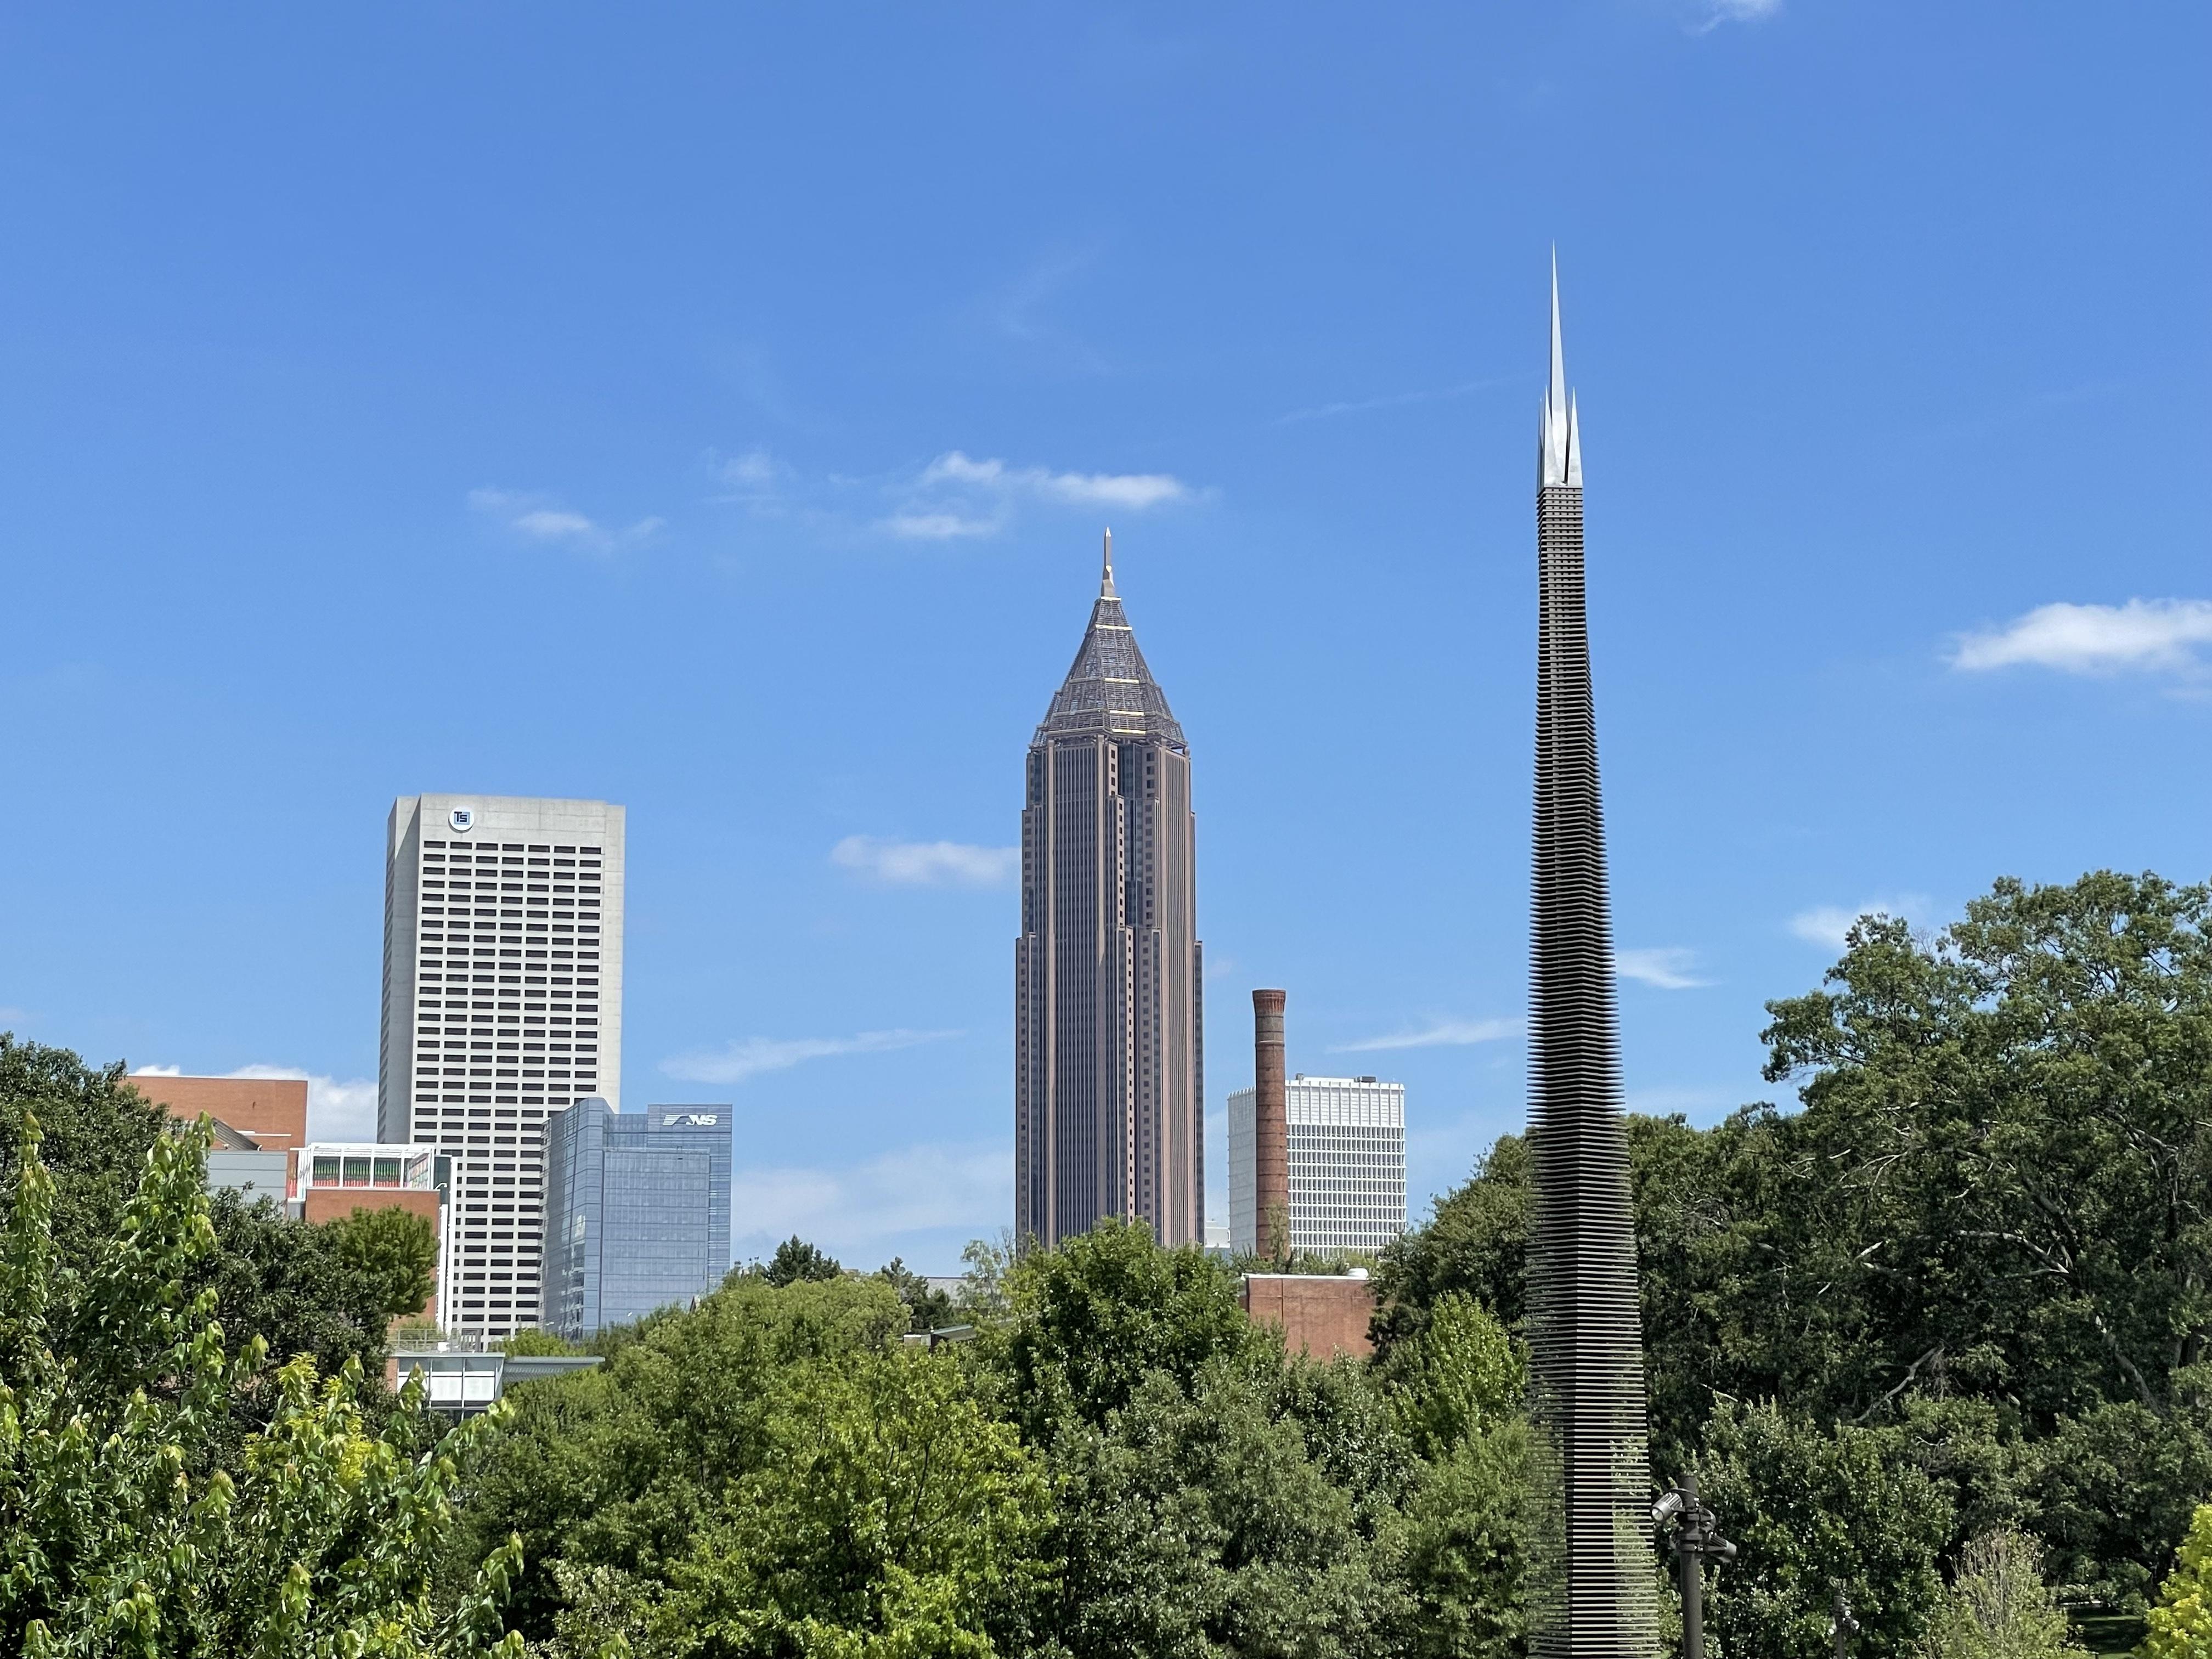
point(928, 863)
point(1828, 924)
point(535, 518)
point(1718, 12)
point(1667, 967)
point(1439, 1033)
point(2153, 635)
point(337, 1110)
point(1135, 490)
point(858, 1213)
point(750, 1056)
point(958, 495)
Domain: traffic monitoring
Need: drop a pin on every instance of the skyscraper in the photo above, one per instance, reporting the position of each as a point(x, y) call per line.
point(1591, 1589)
point(1345, 1150)
point(637, 1212)
point(1108, 1054)
point(502, 1002)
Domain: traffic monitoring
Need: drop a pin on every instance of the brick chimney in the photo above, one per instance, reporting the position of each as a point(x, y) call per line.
point(1271, 1134)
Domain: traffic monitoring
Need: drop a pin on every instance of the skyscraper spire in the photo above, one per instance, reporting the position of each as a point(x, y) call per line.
point(1591, 1594)
point(1106, 578)
point(1558, 443)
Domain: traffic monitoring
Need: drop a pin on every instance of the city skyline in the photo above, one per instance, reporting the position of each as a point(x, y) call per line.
point(389, 411)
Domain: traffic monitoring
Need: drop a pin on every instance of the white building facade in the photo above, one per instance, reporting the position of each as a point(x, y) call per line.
point(502, 1003)
point(1347, 1156)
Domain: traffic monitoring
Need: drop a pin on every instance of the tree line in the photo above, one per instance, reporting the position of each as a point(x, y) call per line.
point(1931, 1337)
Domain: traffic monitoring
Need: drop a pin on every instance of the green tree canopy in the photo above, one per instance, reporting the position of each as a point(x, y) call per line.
point(126, 1529)
point(394, 1250)
point(796, 1260)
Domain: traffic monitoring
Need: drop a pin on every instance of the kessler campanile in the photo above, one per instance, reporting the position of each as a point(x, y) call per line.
point(1108, 1050)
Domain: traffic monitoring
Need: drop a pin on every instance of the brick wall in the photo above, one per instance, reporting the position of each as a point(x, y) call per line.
point(1320, 1315)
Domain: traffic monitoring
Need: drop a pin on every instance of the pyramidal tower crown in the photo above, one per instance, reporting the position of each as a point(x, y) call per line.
point(1109, 691)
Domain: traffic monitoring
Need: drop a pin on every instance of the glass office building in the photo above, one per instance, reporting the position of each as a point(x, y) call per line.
point(637, 1211)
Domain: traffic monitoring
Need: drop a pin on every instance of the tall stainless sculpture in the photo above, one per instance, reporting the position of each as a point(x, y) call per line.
point(1593, 1591)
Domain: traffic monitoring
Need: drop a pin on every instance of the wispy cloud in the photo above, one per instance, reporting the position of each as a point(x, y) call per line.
point(534, 518)
point(2144, 635)
point(1830, 924)
point(927, 863)
point(1717, 12)
point(957, 495)
point(750, 1056)
point(1439, 1034)
point(1667, 968)
point(941, 526)
point(1394, 400)
point(337, 1108)
point(859, 1212)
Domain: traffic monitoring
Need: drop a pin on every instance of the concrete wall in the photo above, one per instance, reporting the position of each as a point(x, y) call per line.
point(1320, 1313)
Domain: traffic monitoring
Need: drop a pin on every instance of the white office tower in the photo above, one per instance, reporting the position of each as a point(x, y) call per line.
point(1347, 1156)
point(502, 1003)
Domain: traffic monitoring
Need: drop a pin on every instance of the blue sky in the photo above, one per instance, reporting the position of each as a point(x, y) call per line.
point(716, 409)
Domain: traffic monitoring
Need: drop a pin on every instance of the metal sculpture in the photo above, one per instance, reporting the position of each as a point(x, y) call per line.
point(1592, 1548)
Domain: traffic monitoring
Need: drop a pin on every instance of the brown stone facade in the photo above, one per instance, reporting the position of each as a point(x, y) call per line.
point(271, 1111)
point(1322, 1315)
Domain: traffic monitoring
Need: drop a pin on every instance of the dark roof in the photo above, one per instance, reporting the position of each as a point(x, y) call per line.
point(1109, 691)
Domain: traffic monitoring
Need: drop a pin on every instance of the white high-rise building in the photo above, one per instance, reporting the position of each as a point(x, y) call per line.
point(502, 1003)
point(1347, 1156)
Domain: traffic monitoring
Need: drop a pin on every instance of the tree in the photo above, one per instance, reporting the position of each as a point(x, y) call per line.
point(1460, 1376)
point(274, 1277)
point(394, 1250)
point(1813, 1509)
point(1093, 1319)
point(1998, 1606)
point(927, 1309)
point(614, 1477)
point(2180, 1625)
point(886, 1513)
point(796, 1260)
point(121, 1528)
point(1196, 1520)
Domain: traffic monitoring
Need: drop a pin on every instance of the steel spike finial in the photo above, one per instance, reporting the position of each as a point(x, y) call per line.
point(1591, 1593)
point(1106, 577)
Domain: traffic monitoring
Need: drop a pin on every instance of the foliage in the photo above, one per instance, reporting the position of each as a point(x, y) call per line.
point(926, 1310)
point(1198, 1521)
point(1812, 1508)
point(886, 1515)
point(1093, 1319)
point(982, 1297)
point(393, 1249)
point(97, 1131)
point(1998, 1606)
point(769, 1473)
point(2180, 1623)
point(291, 1283)
point(531, 1340)
point(1459, 1377)
point(1995, 1203)
point(795, 1260)
point(282, 1281)
point(1464, 1548)
point(120, 1531)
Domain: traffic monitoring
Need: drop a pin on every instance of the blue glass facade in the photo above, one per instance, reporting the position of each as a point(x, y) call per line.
point(637, 1211)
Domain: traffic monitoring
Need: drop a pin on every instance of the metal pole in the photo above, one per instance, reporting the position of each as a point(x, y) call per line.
point(1689, 1550)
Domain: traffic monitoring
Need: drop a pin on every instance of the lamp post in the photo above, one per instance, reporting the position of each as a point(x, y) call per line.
point(1843, 1625)
point(1696, 1536)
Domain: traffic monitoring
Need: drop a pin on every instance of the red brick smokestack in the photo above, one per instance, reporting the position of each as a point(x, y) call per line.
point(1271, 1130)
